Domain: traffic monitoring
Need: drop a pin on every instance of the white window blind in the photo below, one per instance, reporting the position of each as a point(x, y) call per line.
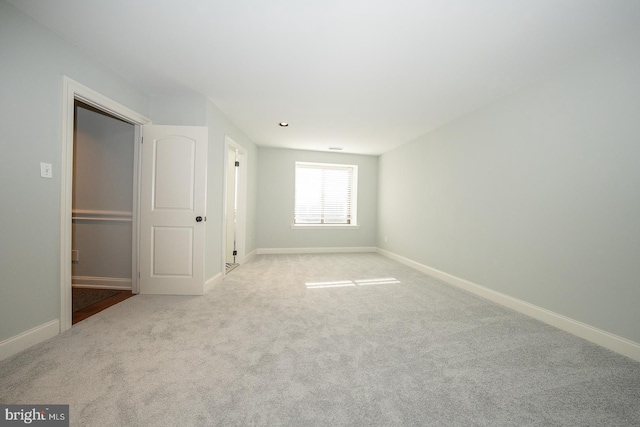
point(325, 194)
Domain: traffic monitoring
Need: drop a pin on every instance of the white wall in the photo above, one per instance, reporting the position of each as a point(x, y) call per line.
point(276, 185)
point(33, 63)
point(536, 195)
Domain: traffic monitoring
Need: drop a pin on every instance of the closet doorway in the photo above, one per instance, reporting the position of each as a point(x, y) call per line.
point(235, 200)
point(231, 219)
point(102, 210)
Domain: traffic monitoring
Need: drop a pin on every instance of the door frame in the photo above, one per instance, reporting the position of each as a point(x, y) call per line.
point(71, 91)
point(241, 216)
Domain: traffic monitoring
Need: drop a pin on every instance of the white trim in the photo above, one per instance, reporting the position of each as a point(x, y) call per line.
point(135, 215)
point(597, 336)
point(103, 103)
point(91, 282)
point(103, 287)
point(250, 255)
point(98, 215)
point(278, 251)
point(72, 90)
point(211, 283)
point(23, 341)
point(324, 226)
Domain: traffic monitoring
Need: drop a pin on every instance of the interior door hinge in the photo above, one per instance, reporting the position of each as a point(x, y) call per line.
point(235, 253)
point(237, 163)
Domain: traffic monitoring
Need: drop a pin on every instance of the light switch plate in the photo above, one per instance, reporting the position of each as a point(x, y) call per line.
point(46, 170)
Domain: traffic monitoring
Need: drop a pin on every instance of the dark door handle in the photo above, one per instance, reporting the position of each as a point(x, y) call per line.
point(198, 219)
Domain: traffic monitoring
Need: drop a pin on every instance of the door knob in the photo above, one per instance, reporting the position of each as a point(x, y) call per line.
point(198, 219)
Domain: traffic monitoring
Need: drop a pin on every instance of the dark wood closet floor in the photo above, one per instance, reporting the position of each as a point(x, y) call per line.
point(97, 307)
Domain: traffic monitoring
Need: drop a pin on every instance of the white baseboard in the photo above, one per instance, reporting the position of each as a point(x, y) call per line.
point(282, 251)
point(93, 282)
point(248, 257)
point(211, 283)
point(20, 342)
point(115, 288)
point(597, 336)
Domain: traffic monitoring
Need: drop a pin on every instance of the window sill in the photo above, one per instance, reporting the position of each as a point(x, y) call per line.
point(324, 226)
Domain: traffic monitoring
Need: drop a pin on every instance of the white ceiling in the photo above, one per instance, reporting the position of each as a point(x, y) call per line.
point(365, 75)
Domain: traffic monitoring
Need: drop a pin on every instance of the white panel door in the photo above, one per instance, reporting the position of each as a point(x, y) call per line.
point(172, 210)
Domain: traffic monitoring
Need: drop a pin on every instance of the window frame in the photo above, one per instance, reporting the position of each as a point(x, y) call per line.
point(353, 202)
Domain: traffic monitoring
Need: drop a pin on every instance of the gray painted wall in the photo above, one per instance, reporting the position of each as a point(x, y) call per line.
point(33, 63)
point(276, 182)
point(102, 181)
point(536, 195)
point(184, 110)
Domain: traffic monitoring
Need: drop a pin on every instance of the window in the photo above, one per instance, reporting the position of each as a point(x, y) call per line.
point(325, 194)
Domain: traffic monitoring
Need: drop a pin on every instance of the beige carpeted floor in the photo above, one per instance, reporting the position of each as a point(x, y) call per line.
point(324, 340)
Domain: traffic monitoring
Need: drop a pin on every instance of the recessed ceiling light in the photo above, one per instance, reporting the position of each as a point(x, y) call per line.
point(283, 124)
point(335, 148)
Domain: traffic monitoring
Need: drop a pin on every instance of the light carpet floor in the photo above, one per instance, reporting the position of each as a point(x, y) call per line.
point(270, 346)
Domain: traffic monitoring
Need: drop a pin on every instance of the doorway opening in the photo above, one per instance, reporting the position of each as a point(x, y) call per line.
point(102, 211)
point(72, 92)
point(231, 219)
point(235, 205)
